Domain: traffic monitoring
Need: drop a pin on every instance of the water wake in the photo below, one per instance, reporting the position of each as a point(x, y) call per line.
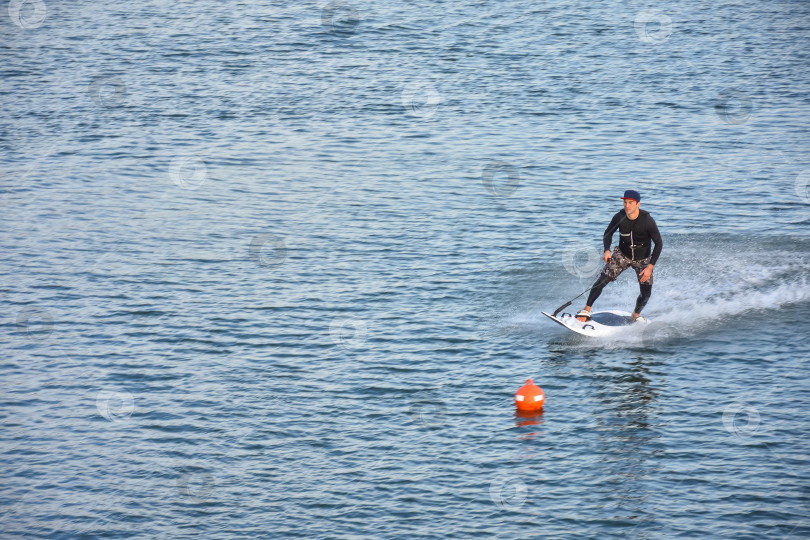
point(701, 282)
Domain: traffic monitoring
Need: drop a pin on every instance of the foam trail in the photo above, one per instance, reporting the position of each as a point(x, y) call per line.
point(706, 280)
point(731, 285)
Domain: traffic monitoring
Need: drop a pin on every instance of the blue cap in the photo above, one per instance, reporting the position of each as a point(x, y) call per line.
point(631, 194)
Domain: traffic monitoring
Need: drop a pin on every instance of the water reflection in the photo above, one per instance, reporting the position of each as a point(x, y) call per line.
point(617, 433)
point(625, 428)
point(528, 418)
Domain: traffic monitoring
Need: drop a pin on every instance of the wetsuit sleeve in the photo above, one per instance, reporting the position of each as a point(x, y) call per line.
point(652, 230)
point(614, 224)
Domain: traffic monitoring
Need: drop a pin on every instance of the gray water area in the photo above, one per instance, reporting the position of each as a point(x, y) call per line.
point(276, 271)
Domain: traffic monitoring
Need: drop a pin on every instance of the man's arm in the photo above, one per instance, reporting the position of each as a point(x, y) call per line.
point(611, 228)
point(652, 229)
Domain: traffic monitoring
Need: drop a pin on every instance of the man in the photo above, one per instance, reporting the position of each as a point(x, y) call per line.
point(636, 229)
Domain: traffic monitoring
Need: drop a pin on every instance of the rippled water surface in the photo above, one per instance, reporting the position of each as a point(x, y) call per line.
point(276, 270)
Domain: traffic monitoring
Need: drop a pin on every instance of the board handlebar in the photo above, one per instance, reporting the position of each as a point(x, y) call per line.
point(562, 307)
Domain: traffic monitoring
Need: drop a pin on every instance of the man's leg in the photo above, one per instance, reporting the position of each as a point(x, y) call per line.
point(645, 289)
point(643, 297)
point(603, 280)
point(617, 264)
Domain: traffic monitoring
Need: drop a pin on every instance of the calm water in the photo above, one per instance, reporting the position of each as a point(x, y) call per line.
point(276, 271)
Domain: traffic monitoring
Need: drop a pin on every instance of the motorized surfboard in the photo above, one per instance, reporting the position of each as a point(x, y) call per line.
point(602, 323)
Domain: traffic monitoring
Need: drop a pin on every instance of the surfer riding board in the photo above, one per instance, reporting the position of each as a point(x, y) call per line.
point(637, 232)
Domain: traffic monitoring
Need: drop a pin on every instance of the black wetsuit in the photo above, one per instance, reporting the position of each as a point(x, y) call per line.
point(635, 239)
point(635, 236)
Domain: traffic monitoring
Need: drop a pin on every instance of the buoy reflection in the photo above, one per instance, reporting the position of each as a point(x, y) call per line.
point(528, 418)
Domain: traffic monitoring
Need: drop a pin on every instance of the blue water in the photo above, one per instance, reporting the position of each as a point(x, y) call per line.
point(277, 270)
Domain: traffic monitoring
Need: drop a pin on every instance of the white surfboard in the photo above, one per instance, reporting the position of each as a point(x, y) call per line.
point(602, 323)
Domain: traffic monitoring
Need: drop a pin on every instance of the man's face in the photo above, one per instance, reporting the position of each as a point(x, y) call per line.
point(630, 206)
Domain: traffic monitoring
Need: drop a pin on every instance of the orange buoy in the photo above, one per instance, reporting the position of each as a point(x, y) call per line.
point(529, 397)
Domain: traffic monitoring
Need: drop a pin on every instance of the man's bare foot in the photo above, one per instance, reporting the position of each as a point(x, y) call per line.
point(584, 318)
